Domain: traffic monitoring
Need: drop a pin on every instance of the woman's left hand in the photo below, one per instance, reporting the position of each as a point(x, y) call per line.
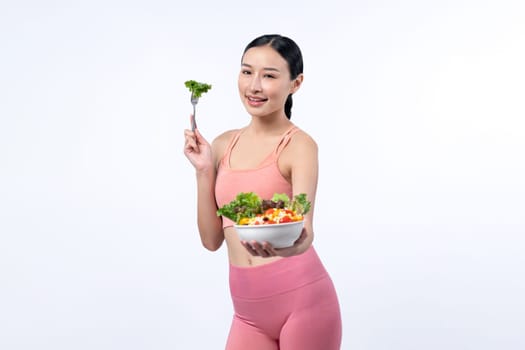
point(266, 250)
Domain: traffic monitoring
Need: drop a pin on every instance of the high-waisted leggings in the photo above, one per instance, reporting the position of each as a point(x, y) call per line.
point(288, 304)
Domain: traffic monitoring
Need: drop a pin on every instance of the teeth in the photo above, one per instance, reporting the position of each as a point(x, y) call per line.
point(256, 99)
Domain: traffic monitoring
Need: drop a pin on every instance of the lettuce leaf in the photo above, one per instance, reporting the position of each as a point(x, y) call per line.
point(281, 197)
point(196, 88)
point(300, 204)
point(249, 204)
point(245, 205)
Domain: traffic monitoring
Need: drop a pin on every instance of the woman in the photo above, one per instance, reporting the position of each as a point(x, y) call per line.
point(283, 298)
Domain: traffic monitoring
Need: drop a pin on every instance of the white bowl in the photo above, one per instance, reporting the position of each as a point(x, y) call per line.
point(278, 235)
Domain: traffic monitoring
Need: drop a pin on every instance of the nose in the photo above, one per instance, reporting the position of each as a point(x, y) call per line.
point(255, 83)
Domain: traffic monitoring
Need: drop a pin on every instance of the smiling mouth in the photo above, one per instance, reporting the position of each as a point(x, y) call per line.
point(254, 101)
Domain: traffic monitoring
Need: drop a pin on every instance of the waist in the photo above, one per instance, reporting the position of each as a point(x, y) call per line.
point(276, 277)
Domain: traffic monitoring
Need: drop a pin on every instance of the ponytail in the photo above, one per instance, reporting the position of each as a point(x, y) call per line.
point(288, 106)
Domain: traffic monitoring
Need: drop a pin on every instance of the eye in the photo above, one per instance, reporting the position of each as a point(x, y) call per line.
point(269, 76)
point(245, 72)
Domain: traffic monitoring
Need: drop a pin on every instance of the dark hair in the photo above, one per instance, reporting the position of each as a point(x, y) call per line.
point(288, 50)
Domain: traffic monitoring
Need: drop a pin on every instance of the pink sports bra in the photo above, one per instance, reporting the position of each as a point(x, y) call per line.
point(265, 180)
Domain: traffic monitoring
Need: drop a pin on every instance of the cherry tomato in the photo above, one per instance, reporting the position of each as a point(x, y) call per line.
point(269, 212)
point(285, 219)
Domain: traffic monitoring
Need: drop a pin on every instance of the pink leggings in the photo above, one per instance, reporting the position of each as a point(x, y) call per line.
point(289, 304)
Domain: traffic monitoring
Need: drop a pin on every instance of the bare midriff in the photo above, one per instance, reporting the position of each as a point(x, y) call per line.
point(238, 255)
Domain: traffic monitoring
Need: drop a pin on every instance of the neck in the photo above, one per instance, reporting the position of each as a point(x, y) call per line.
point(269, 125)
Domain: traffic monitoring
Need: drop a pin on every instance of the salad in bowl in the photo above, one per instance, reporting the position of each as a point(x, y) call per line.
point(278, 221)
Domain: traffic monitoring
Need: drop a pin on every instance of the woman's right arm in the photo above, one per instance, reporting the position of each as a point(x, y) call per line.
point(203, 158)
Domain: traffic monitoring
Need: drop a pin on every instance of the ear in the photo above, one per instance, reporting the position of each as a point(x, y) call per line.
point(296, 83)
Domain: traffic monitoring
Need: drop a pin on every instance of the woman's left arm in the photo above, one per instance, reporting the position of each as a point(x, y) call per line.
point(299, 160)
point(304, 172)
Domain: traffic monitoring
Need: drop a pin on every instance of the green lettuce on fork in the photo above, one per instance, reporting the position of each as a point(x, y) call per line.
point(196, 88)
point(249, 204)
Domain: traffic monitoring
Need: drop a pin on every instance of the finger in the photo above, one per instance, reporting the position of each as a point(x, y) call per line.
point(199, 137)
point(249, 248)
point(301, 238)
point(268, 248)
point(190, 144)
point(190, 135)
point(257, 247)
point(260, 249)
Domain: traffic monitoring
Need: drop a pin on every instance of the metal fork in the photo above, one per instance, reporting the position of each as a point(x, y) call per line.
point(194, 101)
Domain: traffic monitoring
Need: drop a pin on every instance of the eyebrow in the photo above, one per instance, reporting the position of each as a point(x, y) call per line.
point(265, 68)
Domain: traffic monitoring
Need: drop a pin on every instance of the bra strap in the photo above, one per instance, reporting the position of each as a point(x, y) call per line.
point(232, 143)
point(285, 139)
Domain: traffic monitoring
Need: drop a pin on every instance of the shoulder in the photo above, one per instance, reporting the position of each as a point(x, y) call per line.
point(220, 144)
point(224, 139)
point(302, 141)
point(301, 150)
point(299, 160)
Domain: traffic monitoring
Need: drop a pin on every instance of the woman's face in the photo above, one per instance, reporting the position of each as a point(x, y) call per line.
point(264, 81)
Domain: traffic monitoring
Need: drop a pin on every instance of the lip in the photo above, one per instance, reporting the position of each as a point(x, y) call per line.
point(255, 101)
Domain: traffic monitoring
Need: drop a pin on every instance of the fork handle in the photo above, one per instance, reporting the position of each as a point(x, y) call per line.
point(193, 123)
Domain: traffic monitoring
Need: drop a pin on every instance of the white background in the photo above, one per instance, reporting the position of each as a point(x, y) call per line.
point(417, 107)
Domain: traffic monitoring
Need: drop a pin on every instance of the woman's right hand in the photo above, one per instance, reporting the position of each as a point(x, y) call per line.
point(198, 150)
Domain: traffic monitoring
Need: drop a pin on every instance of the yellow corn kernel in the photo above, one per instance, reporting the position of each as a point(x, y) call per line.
point(244, 221)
